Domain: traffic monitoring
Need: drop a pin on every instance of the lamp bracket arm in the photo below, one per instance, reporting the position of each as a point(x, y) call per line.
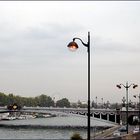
point(123, 85)
point(86, 45)
point(131, 85)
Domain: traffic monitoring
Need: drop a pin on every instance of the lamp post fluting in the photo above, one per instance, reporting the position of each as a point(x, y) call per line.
point(96, 102)
point(73, 46)
point(139, 109)
point(126, 86)
point(102, 103)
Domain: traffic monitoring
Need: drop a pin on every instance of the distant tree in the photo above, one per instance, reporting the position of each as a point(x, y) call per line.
point(84, 105)
point(11, 99)
point(63, 103)
point(79, 103)
point(50, 101)
point(18, 100)
point(45, 101)
point(115, 106)
point(93, 104)
point(74, 105)
point(108, 104)
point(3, 99)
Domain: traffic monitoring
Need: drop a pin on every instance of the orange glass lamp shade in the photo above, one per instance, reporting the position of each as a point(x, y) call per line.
point(73, 46)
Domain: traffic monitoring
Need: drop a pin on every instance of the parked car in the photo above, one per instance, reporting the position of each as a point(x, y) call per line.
point(136, 130)
point(116, 133)
point(122, 129)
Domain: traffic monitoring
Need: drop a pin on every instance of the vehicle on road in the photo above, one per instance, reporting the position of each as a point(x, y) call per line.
point(136, 130)
point(116, 133)
point(122, 129)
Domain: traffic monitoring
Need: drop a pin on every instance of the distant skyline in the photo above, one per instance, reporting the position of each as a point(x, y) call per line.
point(35, 60)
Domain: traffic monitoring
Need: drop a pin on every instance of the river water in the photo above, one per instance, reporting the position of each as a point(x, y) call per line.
point(60, 127)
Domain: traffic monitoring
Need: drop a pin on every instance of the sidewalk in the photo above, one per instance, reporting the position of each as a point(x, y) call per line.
point(105, 133)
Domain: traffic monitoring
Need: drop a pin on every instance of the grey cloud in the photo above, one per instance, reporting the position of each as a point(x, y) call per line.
point(40, 39)
point(50, 31)
point(111, 46)
point(8, 32)
point(38, 33)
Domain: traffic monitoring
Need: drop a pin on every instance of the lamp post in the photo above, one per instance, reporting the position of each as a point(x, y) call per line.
point(73, 46)
point(127, 86)
point(139, 109)
point(102, 103)
point(123, 102)
point(96, 102)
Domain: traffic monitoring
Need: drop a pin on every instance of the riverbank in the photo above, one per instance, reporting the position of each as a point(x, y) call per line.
point(28, 126)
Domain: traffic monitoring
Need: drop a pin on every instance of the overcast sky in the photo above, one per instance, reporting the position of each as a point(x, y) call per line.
point(34, 58)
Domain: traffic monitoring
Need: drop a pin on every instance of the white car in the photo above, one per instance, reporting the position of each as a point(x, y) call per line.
point(116, 133)
point(136, 130)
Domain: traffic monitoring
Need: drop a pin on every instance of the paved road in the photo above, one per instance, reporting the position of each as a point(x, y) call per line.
point(109, 132)
point(105, 133)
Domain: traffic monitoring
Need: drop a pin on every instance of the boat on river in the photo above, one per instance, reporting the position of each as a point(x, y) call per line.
point(7, 118)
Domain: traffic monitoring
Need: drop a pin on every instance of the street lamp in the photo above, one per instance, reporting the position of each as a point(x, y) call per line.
point(96, 102)
point(139, 109)
point(73, 46)
point(123, 102)
point(126, 87)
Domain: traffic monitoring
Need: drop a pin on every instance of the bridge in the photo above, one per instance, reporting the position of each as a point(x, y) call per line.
point(111, 115)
